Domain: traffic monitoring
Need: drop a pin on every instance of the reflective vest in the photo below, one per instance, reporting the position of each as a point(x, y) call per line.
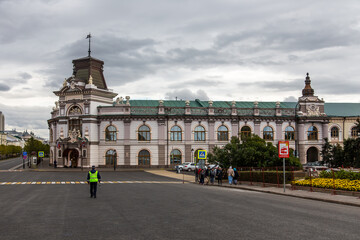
point(93, 177)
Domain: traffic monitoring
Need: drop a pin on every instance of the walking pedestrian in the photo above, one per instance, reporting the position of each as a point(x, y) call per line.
point(236, 176)
point(202, 176)
point(230, 173)
point(93, 178)
point(219, 174)
point(212, 176)
point(196, 175)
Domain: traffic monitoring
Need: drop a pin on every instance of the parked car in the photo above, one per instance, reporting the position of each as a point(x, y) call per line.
point(189, 167)
point(315, 166)
point(181, 166)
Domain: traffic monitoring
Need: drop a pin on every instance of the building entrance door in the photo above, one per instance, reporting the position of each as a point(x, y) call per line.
point(312, 155)
point(71, 158)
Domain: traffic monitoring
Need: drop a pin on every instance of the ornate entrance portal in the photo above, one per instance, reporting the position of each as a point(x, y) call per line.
point(71, 158)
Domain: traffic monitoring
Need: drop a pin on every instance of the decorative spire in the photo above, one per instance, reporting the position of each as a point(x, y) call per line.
point(91, 80)
point(307, 91)
point(89, 37)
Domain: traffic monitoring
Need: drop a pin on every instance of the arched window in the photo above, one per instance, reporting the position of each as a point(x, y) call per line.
point(289, 133)
point(199, 133)
point(223, 134)
point(110, 158)
point(334, 132)
point(144, 133)
point(312, 133)
point(175, 157)
point(354, 132)
point(144, 158)
point(245, 132)
point(175, 133)
point(268, 133)
point(110, 133)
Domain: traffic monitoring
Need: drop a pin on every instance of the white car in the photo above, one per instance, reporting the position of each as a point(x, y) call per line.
point(189, 167)
point(181, 166)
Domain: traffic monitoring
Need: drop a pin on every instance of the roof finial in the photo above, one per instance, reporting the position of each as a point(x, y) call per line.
point(307, 74)
point(89, 37)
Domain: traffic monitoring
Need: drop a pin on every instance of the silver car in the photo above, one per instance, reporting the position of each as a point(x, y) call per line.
point(189, 167)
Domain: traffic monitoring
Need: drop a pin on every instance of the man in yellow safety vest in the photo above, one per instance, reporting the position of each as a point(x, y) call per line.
point(93, 178)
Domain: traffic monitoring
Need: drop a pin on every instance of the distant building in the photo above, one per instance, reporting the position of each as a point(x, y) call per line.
point(87, 127)
point(2, 122)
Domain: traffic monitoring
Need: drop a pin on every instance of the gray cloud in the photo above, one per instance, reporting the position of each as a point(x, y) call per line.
point(25, 117)
point(196, 82)
point(292, 85)
point(4, 88)
point(186, 94)
point(25, 75)
point(290, 99)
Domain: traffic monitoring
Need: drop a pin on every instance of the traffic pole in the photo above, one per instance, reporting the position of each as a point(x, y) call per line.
point(284, 172)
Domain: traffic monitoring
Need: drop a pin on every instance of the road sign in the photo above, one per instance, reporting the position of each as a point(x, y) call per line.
point(24, 157)
point(24, 153)
point(284, 149)
point(41, 154)
point(202, 154)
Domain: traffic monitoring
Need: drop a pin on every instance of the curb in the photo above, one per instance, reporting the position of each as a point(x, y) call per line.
point(290, 195)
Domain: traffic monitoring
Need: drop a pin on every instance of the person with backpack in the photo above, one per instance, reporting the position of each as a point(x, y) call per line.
point(236, 176)
point(212, 176)
point(219, 174)
point(230, 173)
point(202, 176)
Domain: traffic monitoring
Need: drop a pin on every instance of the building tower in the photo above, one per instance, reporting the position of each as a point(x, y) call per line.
point(2, 122)
point(312, 124)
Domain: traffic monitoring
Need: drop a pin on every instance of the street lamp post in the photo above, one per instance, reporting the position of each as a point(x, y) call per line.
point(115, 159)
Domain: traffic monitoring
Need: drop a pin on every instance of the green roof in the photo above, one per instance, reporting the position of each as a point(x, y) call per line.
point(266, 108)
point(342, 109)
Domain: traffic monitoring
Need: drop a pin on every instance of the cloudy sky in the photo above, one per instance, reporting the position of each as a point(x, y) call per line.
point(161, 49)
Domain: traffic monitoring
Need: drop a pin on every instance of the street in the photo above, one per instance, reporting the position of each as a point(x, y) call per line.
point(10, 163)
point(161, 208)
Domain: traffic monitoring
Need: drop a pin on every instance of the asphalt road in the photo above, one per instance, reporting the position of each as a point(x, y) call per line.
point(162, 211)
point(10, 163)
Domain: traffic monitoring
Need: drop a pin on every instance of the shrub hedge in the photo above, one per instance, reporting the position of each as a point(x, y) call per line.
point(342, 174)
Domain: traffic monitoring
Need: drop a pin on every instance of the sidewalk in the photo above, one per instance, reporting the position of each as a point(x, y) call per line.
point(318, 196)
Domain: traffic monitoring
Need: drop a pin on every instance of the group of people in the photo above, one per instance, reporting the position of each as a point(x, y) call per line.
point(207, 175)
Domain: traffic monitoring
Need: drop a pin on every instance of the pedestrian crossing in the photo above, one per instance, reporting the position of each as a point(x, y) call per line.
point(84, 182)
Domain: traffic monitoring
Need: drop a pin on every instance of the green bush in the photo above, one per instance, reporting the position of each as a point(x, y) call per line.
point(342, 174)
point(269, 176)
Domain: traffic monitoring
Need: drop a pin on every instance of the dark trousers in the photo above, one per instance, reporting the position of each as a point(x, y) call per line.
point(93, 188)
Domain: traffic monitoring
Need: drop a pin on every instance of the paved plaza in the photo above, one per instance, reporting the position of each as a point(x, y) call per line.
point(145, 205)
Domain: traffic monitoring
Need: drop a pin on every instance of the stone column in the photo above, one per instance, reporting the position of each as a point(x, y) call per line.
point(257, 128)
point(211, 131)
point(127, 125)
point(279, 133)
point(234, 128)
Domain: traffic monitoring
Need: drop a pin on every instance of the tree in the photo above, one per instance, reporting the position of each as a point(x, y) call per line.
point(253, 152)
point(326, 152)
point(33, 145)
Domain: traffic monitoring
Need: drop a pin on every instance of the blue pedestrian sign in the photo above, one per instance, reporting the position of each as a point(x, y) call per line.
point(202, 154)
point(24, 153)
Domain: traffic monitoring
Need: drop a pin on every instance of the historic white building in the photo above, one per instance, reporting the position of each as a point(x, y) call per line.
point(88, 126)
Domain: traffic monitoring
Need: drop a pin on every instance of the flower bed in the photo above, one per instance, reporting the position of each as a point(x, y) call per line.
point(340, 184)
